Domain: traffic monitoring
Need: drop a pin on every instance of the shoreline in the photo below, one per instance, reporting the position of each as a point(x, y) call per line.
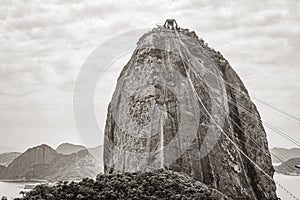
point(23, 181)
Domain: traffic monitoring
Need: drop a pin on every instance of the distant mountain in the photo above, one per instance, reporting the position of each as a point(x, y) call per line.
point(5, 149)
point(1, 168)
point(43, 162)
point(67, 167)
point(7, 158)
point(67, 148)
point(280, 155)
point(288, 167)
point(19, 167)
point(97, 152)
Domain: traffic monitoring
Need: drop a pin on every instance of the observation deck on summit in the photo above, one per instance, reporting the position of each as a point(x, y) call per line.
point(171, 24)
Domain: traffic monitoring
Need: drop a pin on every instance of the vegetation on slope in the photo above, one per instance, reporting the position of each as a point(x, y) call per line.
point(159, 184)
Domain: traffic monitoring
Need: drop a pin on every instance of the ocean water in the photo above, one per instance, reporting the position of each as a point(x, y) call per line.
point(290, 183)
point(12, 189)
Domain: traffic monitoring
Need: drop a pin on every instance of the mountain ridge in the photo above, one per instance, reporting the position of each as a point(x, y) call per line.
point(69, 148)
point(280, 155)
point(18, 168)
point(289, 167)
point(6, 149)
point(43, 162)
point(7, 158)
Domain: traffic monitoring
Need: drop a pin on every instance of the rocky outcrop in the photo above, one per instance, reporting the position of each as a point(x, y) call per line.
point(19, 167)
point(178, 104)
point(67, 148)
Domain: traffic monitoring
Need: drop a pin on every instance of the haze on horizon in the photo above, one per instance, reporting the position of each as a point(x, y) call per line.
point(44, 44)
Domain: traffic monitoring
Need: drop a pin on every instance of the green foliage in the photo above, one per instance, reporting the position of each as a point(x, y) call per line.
point(155, 185)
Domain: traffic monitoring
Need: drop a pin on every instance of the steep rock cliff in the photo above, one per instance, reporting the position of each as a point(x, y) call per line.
point(178, 104)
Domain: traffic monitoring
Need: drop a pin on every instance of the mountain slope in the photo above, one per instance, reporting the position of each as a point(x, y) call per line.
point(1, 168)
point(67, 167)
point(7, 158)
point(280, 155)
point(67, 148)
point(43, 162)
point(179, 104)
point(5, 149)
point(97, 152)
point(288, 167)
point(18, 168)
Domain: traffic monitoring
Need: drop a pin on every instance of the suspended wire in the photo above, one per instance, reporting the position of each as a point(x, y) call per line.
point(257, 145)
point(257, 148)
point(254, 117)
point(266, 153)
point(268, 124)
point(237, 147)
point(270, 106)
point(279, 110)
point(277, 130)
point(287, 115)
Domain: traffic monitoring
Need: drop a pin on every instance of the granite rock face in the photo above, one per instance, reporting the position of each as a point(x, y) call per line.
point(178, 104)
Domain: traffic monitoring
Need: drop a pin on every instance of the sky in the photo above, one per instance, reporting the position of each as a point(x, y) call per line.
point(43, 45)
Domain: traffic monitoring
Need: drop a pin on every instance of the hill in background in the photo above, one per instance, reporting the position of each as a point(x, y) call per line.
point(288, 167)
point(5, 149)
point(43, 162)
point(7, 158)
point(280, 155)
point(68, 148)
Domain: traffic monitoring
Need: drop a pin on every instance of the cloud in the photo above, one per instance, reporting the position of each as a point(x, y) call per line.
point(44, 44)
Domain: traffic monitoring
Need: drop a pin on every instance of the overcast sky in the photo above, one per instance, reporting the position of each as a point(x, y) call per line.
point(44, 43)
